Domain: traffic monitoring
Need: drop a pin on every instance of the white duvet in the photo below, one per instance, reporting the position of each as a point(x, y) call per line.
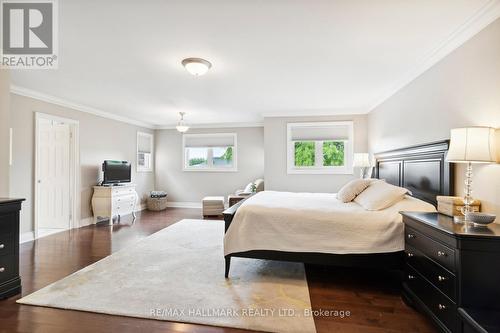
point(317, 222)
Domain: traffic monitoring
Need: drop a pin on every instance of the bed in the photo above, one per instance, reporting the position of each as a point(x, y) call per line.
point(315, 228)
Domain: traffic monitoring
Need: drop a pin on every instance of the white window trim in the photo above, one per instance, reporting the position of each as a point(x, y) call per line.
point(140, 168)
point(347, 169)
point(209, 168)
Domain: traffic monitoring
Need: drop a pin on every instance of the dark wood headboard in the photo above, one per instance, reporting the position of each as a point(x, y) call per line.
point(421, 169)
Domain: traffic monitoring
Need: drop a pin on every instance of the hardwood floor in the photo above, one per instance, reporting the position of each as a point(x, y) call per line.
point(372, 298)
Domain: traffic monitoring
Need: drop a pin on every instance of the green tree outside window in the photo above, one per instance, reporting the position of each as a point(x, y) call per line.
point(333, 153)
point(197, 161)
point(304, 153)
point(228, 155)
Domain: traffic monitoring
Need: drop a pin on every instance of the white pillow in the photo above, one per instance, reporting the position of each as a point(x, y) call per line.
point(380, 195)
point(350, 190)
point(248, 188)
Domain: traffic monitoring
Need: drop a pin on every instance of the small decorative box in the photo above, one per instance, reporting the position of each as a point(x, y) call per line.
point(452, 206)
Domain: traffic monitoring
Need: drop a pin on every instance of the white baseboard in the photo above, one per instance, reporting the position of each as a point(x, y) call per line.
point(180, 204)
point(26, 237)
point(85, 222)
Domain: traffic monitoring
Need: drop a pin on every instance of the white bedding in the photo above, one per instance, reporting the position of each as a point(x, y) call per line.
point(317, 222)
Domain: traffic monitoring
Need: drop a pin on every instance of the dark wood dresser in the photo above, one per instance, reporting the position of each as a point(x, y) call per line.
point(10, 282)
point(450, 266)
point(479, 321)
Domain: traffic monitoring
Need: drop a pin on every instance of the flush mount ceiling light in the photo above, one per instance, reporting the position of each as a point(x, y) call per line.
point(196, 66)
point(181, 125)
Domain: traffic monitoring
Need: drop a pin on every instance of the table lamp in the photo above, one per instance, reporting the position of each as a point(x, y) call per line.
point(362, 160)
point(471, 145)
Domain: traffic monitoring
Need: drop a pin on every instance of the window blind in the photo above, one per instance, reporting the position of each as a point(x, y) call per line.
point(209, 140)
point(144, 144)
point(319, 132)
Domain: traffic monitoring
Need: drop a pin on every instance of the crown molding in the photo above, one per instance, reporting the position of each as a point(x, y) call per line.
point(21, 91)
point(215, 125)
point(315, 113)
point(472, 26)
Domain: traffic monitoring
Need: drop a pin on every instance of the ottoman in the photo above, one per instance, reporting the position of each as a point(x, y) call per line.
point(212, 206)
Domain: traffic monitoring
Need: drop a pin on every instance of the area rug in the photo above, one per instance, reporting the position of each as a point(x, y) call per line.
point(177, 274)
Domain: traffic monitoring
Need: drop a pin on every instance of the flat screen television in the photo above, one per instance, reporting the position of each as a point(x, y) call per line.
point(116, 172)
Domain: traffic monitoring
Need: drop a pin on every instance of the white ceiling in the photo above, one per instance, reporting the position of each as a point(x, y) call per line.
point(269, 57)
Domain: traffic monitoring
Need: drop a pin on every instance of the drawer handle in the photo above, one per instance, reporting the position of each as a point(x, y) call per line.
point(409, 254)
point(2, 246)
point(2, 269)
point(442, 278)
point(441, 307)
point(442, 254)
point(411, 277)
point(410, 236)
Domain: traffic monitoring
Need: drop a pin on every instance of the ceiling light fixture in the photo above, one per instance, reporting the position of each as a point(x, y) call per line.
point(196, 66)
point(181, 125)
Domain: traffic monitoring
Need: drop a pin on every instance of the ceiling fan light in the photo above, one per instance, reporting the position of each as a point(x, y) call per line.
point(182, 127)
point(196, 66)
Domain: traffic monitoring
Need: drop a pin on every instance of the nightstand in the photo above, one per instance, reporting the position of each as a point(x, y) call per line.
point(234, 199)
point(449, 266)
point(10, 282)
point(479, 321)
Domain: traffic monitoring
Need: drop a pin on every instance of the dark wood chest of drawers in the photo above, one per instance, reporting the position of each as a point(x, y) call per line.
point(449, 266)
point(10, 282)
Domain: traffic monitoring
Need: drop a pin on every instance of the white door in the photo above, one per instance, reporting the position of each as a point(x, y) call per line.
point(54, 201)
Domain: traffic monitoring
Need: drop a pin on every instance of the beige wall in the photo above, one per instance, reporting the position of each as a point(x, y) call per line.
point(461, 90)
point(186, 186)
point(275, 156)
point(100, 139)
point(4, 131)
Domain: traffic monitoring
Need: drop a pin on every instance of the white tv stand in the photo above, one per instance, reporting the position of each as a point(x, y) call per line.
point(111, 201)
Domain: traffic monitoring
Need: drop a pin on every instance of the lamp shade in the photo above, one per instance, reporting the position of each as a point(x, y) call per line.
point(472, 144)
point(362, 160)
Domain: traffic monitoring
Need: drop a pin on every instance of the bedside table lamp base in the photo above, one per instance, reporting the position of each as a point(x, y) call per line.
point(468, 192)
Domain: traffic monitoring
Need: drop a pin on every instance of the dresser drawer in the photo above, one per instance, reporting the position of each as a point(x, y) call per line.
point(433, 249)
point(440, 305)
point(123, 209)
point(122, 191)
point(440, 277)
point(8, 268)
point(123, 200)
point(7, 244)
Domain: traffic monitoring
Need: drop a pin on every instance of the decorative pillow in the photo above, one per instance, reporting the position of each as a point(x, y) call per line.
point(248, 188)
point(380, 195)
point(350, 190)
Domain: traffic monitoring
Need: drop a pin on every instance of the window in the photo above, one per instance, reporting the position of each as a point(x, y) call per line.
point(209, 152)
point(318, 148)
point(144, 152)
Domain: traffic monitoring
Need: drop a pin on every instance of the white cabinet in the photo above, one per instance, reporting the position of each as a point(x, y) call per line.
point(111, 201)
